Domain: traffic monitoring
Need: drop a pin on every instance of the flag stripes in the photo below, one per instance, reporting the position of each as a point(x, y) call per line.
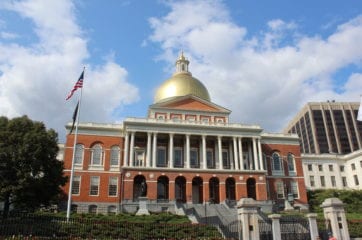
point(78, 84)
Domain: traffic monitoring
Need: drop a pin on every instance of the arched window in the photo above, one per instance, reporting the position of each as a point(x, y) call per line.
point(115, 151)
point(92, 209)
point(291, 164)
point(97, 155)
point(112, 210)
point(276, 164)
point(79, 150)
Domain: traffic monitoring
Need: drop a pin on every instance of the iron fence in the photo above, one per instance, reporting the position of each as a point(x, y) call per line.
point(50, 227)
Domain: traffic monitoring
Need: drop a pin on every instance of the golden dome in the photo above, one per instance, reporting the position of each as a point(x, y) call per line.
point(181, 84)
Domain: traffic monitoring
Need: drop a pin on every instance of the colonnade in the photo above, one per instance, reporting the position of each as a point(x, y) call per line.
point(238, 158)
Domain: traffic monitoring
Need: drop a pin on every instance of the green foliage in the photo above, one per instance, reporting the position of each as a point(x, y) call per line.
point(30, 174)
point(87, 226)
point(352, 199)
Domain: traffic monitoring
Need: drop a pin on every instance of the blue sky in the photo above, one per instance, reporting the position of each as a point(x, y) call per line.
point(263, 60)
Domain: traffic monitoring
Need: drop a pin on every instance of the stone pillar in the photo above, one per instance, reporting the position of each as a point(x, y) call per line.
point(204, 152)
point(219, 147)
point(241, 157)
point(154, 150)
point(131, 150)
point(148, 154)
point(260, 155)
point(276, 226)
point(236, 160)
point(187, 151)
point(334, 212)
point(125, 153)
point(313, 228)
point(248, 219)
point(255, 155)
point(170, 150)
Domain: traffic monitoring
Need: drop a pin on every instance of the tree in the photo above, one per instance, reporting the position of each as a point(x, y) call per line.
point(30, 174)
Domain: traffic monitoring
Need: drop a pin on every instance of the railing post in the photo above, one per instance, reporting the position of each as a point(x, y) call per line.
point(248, 219)
point(277, 235)
point(313, 228)
point(333, 209)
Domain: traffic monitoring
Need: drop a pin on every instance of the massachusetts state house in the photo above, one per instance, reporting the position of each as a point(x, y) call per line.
point(184, 151)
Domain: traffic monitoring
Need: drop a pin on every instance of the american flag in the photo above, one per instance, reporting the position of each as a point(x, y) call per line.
point(78, 84)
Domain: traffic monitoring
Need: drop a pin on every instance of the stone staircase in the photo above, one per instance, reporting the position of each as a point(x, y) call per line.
point(219, 215)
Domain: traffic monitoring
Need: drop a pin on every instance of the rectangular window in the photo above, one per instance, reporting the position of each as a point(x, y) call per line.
point(113, 186)
point(310, 167)
point(161, 157)
point(333, 181)
point(178, 160)
point(194, 158)
point(210, 158)
point(320, 167)
point(78, 158)
point(356, 182)
point(330, 167)
point(323, 181)
point(94, 186)
point(344, 181)
point(225, 159)
point(280, 190)
point(205, 119)
point(115, 156)
point(353, 166)
point(76, 185)
point(341, 168)
point(294, 189)
point(311, 180)
point(360, 164)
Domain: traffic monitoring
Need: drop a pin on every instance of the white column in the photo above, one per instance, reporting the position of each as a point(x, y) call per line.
point(204, 151)
point(236, 160)
point(220, 152)
point(170, 150)
point(260, 155)
point(148, 156)
point(154, 150)
point(187, 151)
point(255, 156)
point(241, 157)
point(125, 153)
point(131, 150)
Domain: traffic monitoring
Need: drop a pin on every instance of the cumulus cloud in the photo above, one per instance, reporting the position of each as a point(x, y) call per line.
point(35, 78)
point(265, 78)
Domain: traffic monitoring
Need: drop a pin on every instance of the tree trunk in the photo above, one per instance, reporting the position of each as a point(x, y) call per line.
point(6, 205)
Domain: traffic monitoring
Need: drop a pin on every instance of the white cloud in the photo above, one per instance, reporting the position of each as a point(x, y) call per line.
point(265, 78)
point(34, 80)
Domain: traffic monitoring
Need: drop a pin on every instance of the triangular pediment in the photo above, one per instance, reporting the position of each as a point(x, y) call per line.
point(190, 102)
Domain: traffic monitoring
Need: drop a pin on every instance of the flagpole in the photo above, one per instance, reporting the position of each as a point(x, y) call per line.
point(73, 157)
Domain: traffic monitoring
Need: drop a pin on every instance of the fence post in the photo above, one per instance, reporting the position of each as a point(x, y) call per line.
point(277, 235)
point(248, 219)
point(333, 209)
point(312, 219)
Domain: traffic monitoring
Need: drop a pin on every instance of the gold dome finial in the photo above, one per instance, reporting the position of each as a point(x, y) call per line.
point(182, 64)
point(181, 83)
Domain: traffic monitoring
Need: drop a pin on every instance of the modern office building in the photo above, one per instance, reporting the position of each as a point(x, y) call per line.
point(330, 141)
point(328, 127)
point(184, 151)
